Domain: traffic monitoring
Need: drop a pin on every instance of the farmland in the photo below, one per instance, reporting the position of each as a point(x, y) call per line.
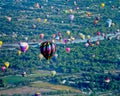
point(81, 72)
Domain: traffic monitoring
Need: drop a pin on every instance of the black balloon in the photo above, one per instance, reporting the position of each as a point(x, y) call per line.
point(47, 49)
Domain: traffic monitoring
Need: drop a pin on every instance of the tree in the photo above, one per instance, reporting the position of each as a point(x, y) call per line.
point(2, 83)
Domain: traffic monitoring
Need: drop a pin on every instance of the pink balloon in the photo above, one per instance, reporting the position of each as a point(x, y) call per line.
point(64, 41)
point(87, 44)
point(3, 68)
point(67, 49)
point(98, 33)
point(59, 33)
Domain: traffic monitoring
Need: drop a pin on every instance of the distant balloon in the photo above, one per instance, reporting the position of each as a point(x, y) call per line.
point(45, 20)
point(55, 56)
point(71, 17)
point(23, 74)
point(82, 36)
point(59, 34)
point(98, 18)
point(47, 49)
point(3, 68)
point(102, 5)
point(53, 73)
point(107, 80)
point(88, 37)
point(95, 22)
point(98, 33)
point(37, 5)
point(40, 56)
point(1, 43)
point(39, 19)
point(8, 18)
point(41, 36)
point(19, 52)
point(93, 55)
point(23, 46)
point(33, 26)
point(86, 44)
point(97, 42)
point(53, 35)
point(67, 49)
point(6, 64)
point(37, 94)
point(68, 32)
point(88, 13)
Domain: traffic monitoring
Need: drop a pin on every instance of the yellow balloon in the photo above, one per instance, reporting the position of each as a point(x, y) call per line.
point(45, 20)
point(68, 32)
point(103, 5)
point(40, 56)
point(6, 64)
point(39, 19)
point(82, 36)
point(19, 52)
point(1, 43)
point(88, 37)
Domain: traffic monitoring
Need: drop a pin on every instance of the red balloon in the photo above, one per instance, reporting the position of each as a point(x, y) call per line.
point(67, 49)
point(98, 33)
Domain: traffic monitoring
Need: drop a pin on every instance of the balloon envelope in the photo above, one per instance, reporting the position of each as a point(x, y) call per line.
point(71, 17)
point(1, 43)
point(3, 68)
point(53, 73)
point(24, 46)
point(6, 64)
point(47, 49)
point(67, 49)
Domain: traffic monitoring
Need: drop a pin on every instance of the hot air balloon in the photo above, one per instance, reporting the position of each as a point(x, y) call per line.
point(67, 49)
point(19, 52)
point(53, 35)
point(98, 33)
point(71, 17)
point(82, 36)
point(59, 34)
point(56, 55)
point(39, 19)
point(86, 44)
point(102, 5)
point(8, 18)
point(53, 73)
point(45, 20)
point(23, 74)
point(97, 42)
point(37, 94)
point(6, 64)
point(65, 41)
point(3, 68)
point(37, 5)
point(107, 80)
point(47, 49)
point(68, 32)
point(40, 56)
point(88, 13)
point(1, 43)
point(41, 36)
point(88, 37)
point(23, 46)
point(95, 22)
point(108, 23)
